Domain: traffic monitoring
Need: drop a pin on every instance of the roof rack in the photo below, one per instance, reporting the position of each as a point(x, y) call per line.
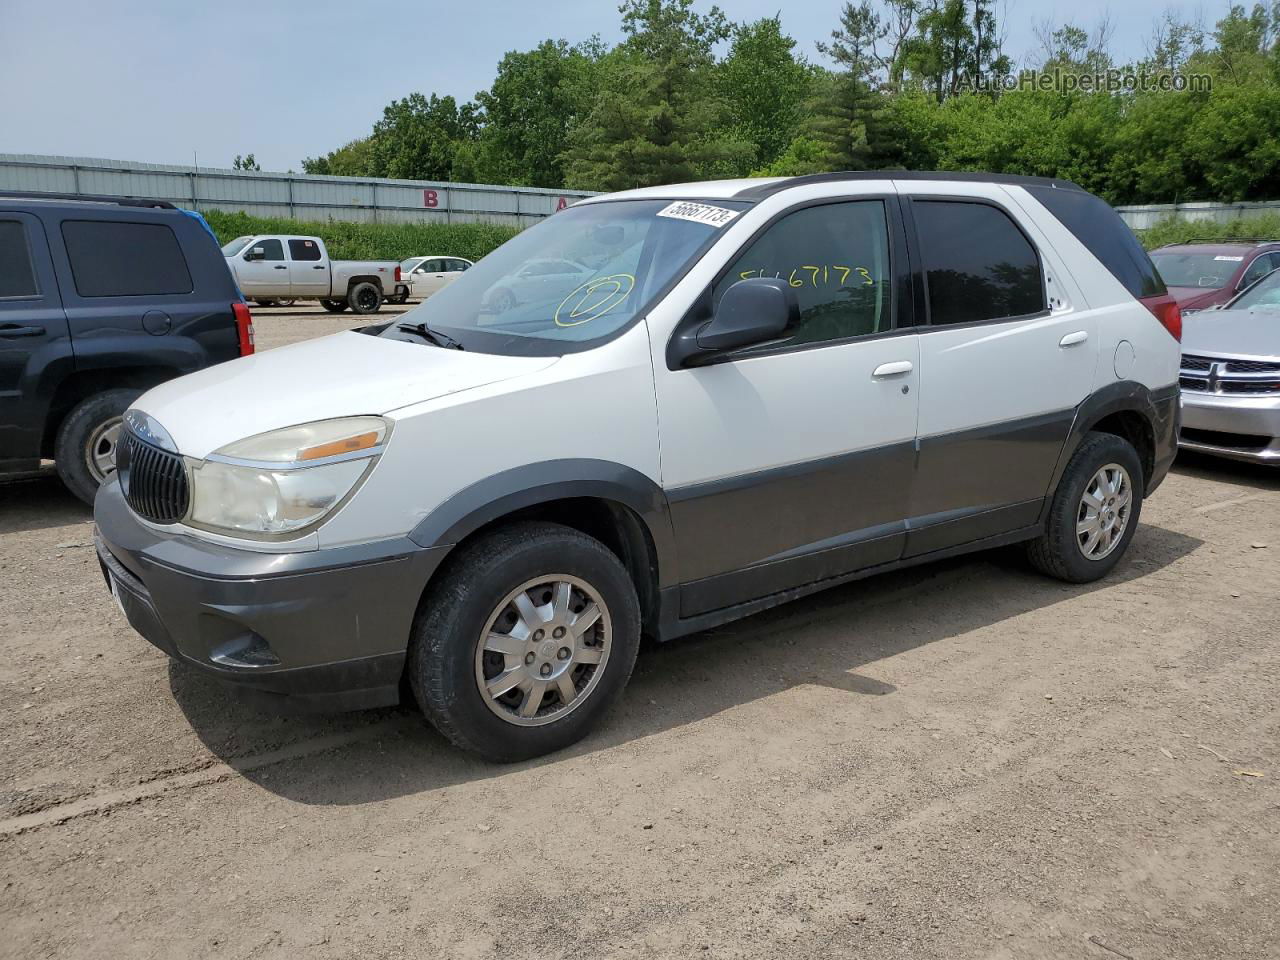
point(1225, 240)
point(89, 198)
point(760, 191)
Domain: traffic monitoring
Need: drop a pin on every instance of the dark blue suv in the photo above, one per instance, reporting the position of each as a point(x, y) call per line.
point(101, 298)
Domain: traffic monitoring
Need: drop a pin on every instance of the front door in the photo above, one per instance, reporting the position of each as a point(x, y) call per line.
point(1006, 356)
point(34, 338)
point(427, 278)
point(266, 277)
point(791, 462)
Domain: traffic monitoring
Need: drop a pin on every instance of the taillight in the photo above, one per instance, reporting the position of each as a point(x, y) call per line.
point(397, 274)
point(244, 327)
point(1165, 309)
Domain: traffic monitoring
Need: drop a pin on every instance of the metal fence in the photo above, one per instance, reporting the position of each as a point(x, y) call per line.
point(294, 195)
point(1142, 217)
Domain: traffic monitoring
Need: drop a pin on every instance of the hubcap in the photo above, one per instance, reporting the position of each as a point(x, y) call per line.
point(100, 451)
point(543, 650)
point(1104, 511)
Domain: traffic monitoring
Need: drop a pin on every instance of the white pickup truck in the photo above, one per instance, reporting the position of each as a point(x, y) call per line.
point(272, 268)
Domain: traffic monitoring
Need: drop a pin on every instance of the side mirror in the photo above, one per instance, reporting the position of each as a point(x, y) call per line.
point(257, 253)
point(751, 311)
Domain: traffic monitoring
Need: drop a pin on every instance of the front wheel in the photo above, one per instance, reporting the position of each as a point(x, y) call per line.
point(334, 306)
point(1094, 512)
point(85, 447)
point(365, 297)
point(526, 641)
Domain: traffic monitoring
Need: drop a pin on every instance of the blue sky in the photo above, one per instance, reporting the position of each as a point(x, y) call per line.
point(156, 80)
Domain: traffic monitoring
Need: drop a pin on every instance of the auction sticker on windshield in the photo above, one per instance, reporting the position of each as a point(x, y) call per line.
point(698, 213)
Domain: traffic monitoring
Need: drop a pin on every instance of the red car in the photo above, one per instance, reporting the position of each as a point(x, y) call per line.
point(1204, 273)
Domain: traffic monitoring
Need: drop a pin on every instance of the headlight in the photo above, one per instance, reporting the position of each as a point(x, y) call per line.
point(280, 483)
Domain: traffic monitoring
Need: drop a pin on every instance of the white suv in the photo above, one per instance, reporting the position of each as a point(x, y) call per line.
point(750, 391)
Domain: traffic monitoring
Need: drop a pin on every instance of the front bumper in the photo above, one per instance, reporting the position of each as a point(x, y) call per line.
point(1237, 426)
point(327, 629)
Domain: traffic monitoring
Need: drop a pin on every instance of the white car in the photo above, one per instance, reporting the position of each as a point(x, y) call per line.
point(428, 275)
point(758, 389)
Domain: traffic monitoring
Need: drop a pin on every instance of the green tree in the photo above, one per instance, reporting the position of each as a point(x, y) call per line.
point(247, 162)
point(417, 137)
point(764, 87)
point(354, 159)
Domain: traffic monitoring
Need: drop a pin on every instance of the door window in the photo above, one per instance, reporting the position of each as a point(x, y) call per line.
point(114, 259)
point(978, 264)
point(1260, 267)
point(17, 276)
point(272, 249)
point(431, 266)
point(836, 258)
point(303, 249)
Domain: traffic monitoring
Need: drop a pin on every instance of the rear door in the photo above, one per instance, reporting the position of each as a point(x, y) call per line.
point(1006, 355)
point(308, 268)
point(35, 344)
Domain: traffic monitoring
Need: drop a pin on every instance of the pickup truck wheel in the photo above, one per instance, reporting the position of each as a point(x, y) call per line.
point(1094, 511)
point(365, 297)
point(334, 306)
point(526, 640)
point(85, 447)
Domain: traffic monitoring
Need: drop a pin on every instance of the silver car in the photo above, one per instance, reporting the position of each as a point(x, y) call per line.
point(1231, 376)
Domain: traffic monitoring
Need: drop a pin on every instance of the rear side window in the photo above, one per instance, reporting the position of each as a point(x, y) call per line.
point(978, 264)
point(836, 258)
point(17, 277)
point(304, 250)
point(1092, 221)
point(114, 259)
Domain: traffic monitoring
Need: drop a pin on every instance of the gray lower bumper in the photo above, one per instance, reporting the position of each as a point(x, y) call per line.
point(1237, 426)
point(327, 628)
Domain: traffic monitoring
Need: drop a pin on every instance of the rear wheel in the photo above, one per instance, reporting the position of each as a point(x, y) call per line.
point(1094, 512)
point(85, 447)
point(334, 306)
point(365, 297)
point(286, 303)
point(526, 641)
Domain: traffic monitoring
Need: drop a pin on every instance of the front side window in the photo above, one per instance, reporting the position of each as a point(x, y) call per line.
point(302, 249)
point(114, 259)
point(978, 265)
point(836, 258)
point(1265, 295)
point(17, 276)
point(1261, 266)
point(271, 249)
point(573, 279)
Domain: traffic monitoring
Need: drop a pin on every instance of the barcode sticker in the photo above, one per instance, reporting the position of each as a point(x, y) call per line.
point(698, 213)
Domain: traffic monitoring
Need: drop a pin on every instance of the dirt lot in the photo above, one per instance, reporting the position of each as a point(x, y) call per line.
point(964, 760)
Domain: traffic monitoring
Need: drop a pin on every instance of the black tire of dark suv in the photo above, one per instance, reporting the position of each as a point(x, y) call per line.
point(80, 449)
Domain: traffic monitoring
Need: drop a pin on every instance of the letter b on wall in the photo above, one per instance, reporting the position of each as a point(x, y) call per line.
point(430, 198)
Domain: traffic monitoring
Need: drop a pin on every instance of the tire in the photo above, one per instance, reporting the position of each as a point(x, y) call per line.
point(285, 303)
point(365, 297)
point(399, 299)
point(446, 662)
point(265, 303)
point(334, 306)
point(1069, 531)
point(80, 452)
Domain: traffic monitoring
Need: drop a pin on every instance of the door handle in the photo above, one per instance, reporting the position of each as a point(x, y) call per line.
point(281, 268)
point(12, 332)
point(1071, 339)
point(318, 266)
point(894, 369)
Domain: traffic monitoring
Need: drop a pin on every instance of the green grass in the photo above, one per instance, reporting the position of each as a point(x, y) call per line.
point(372, 241)
point(1170, 230)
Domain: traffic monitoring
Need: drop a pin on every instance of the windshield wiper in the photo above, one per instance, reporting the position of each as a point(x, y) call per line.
point(431, 336)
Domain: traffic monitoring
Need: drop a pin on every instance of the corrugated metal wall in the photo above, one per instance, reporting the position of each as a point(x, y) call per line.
point(1141, 217)
point(295, 195)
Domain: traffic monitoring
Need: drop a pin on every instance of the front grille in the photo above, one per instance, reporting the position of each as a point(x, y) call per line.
point(1224, 375)
point(154, 480)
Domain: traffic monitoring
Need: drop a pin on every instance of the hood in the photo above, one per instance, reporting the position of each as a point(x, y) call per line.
point(1233, 333)
point(1197, 298)
point(344, 375)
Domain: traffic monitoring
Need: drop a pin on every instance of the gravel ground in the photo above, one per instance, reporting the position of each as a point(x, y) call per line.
point(963, 760)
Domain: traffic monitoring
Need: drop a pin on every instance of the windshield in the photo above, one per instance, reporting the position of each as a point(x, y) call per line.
point(406, 266)
point(578, 276)
point(235, 246)
point(1263, 295)
point(1209, 270)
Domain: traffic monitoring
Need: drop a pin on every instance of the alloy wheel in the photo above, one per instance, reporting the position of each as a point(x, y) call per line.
point(100, 450)
point(1103, 514)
